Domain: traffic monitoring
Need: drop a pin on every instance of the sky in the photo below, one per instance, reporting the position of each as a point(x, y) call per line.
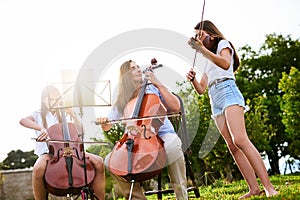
point(40, 39)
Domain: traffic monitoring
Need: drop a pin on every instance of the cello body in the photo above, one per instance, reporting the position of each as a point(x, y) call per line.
point(148, 155)
point(140, 147)
point(65, 173)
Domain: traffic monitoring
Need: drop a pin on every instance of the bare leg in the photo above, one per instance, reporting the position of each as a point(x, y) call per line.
point(99, 180)
point(236, 125)
point(38, 184)
point(240, 159)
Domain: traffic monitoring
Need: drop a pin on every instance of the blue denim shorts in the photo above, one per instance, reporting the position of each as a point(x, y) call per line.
point(224, 94)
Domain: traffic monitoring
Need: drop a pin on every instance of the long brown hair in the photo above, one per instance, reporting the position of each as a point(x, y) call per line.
point(212, 30)
point(46, 94)
point(127, 86)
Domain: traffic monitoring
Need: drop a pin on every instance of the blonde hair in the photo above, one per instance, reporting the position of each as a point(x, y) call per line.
point(45, 107)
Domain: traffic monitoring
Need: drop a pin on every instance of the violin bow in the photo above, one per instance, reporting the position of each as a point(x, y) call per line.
point(199, 32)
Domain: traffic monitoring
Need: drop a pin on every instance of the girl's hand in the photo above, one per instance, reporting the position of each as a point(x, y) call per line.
point(70, 112)
point(191, 75)
point(101, 120)
point(196, 44)
point(104, 123)
point(152, 78)
point(43, 136)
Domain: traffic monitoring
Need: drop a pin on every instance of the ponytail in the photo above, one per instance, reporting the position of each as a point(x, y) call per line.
point(236, 60)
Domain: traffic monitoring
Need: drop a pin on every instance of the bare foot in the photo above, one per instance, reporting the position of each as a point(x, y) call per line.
point(271, 193)
point(250, 194)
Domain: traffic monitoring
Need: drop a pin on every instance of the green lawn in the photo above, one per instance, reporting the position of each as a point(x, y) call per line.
point(287, 185)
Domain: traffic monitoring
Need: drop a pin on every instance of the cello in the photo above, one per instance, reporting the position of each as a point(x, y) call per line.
point(140, 146)
point(68, 171)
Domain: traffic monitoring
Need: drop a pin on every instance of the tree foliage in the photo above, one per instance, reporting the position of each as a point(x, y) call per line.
point(256, 120)
point(259, 75)
point(19, 160)
point(290, 106)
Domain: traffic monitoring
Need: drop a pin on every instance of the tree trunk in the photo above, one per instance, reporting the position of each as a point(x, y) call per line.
point(228, 171)
point(274, 162)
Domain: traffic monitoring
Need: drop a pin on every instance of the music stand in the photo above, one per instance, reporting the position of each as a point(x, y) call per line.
point(72, 95)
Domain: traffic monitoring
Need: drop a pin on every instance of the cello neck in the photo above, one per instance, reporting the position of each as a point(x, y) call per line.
point(65, 127)
point(139, 101)
point(136, 112)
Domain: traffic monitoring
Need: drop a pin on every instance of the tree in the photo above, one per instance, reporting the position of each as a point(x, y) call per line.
point(290, 106)
point(19, 160)
point(258, 129)
point(259, 75)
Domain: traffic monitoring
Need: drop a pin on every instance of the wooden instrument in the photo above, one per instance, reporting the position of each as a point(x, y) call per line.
point(66, 173)
point(140, 155)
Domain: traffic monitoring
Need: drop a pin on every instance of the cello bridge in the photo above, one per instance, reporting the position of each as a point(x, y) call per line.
point(68, 152)
point(132, 130)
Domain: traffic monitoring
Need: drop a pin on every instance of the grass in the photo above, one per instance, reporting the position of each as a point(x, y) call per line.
point(287, 185)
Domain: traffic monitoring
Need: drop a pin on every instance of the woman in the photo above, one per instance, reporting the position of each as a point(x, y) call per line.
point(227, 103)
point(40, 121)
point(129, 84)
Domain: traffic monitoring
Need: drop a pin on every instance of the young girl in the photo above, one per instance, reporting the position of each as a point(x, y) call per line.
point(40, 121)
point(227, 103)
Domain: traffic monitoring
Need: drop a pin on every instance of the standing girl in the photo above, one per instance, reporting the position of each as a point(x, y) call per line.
point(227, 104)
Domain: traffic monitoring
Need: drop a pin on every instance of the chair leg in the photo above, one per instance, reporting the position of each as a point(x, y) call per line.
point(190, 174)
point(159, 187)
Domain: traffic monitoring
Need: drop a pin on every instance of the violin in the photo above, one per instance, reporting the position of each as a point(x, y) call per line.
point(67, 171)
point(211, 43)
point(140, 148)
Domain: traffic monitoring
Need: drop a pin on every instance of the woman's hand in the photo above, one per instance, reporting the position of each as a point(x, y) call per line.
point(191, 75)
point(101, 120)
point(70, 112)
point(43, 136)
point(104, 123)
point(197, 44)
point(149, 75)
point(170, 99)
